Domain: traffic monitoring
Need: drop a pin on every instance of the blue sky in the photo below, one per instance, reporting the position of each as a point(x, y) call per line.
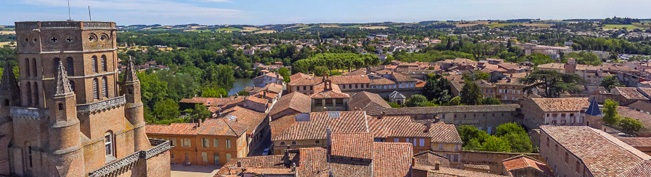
point(260, 12)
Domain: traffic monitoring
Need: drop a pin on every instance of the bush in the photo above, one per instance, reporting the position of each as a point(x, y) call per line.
point(630, 125)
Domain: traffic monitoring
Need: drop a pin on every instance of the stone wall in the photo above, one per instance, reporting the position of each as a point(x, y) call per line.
point(492, 159)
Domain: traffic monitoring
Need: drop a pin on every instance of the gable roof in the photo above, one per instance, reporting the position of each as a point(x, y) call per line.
point(397, 95)
point(602, 154)
point(218, 127)
point(630, 93)
point(372, 103)
point(315, 128)
point(561, 104)
point(353, 145)
point(524, 161)
point(250, 118)
point(295, 101)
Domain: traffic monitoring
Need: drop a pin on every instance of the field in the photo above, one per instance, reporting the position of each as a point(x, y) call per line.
point(229, 29)
point(265, 32)
point(7, 32)
point(497, 25)
point(329, 26)
point(629, 27)
point(373, 27)
point(4, 43)
point(542, 25)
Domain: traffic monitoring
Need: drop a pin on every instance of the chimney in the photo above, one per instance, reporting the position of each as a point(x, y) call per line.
point(200, 122)
point(382, 115)
point(286, 160)
point(437, 165)
point(428, 126)
point(239, 163)
point(329, 137)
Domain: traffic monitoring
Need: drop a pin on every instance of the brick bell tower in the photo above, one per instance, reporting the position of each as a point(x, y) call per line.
point(67, 117)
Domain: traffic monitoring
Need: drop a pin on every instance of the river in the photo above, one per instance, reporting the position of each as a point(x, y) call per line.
point(239, 85)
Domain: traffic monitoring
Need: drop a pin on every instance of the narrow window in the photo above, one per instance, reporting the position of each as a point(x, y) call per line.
point(204, 155)
point(27, 72)
point(204, 142)
point(95, 89)
point(228, 145)
point(105, 88)
point(228, 157)
point(422, 142)
point(36, 102)
point(34, 73)
point(29, 156)
point(70, 67)
point(173, 141)
point(54, 65)
point(29, 94)
point(215, 143)
point(94, 64)
point(108, 143)
point(216, 157)
point(104, 68)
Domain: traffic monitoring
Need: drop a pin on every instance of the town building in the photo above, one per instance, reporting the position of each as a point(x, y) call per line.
point(345, 154)
point(554, 111)
point(290, 104)
point(213, 142)
point(268, 78)
point(68, 116)
point(524, 165)
point(585, 151)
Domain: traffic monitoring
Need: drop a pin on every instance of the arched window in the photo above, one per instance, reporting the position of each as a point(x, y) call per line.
point(55, 65)
point(70, 68)
point(29, 94)
point(34, 67)
point(95, 91)
point(36, 102)
point(27, 72)
point(108, 143)
point(104, 63)
point(105, 88)
point(94, 64)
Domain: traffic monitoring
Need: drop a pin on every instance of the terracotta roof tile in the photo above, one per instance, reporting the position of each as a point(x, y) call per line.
point(523, 161)
point(372, 103)
point(295, 100)
point(636, 141)
point(392, 159)
point(602, 154)
point(321, 92)
point(445, 171)
point(353, 145)
point(382, 81)
point(250, 118)
point(630, 93)
point(209, 127)
point(315, 128)
point(561, 104)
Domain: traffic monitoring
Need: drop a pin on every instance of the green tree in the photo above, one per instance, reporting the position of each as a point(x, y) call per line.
point(213, 93)
point(610, 82)
point(495, 144)
point(508, 128)
point(611, 117)
point(467, 132)
point(222, 75)
point(285, 73)
point(490, 101)
point(473, 145)
point(417, 100)
point(455, 101)
point(471, 94)
point(552, 82)
point(167, 109)
point(518, 142)
point(152, 89)
point(437, 88)
point(199, 112)
point(321, 70)
point(630, 125)
point(243, 93)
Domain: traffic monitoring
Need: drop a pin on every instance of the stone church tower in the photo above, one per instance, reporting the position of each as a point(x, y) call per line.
point(65, 116)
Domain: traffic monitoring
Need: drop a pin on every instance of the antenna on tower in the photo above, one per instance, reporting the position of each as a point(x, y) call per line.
point(69, 16)
point(89, 16)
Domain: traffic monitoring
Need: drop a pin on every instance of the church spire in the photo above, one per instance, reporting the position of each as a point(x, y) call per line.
point(130, 74)
point(63, 84)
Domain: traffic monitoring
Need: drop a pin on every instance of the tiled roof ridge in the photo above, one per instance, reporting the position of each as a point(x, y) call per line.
point(622, 145)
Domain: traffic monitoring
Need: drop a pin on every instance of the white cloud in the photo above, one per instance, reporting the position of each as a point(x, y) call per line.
point(160, 8)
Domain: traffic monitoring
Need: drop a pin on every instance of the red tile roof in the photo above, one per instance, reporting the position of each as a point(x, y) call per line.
point(382, 81)
point(523, 161)
point(295, 101)
point(602, 154)
point(636, 141)
point(643, 169)
point(561, 104)
point(353, 145)
point(315, 128)
point(392, 159)
point(630, 93)
point(216, 127)
point(453, 172)
point(372, 103)
point(250, 118)
point(320, 92)
point(358, 79)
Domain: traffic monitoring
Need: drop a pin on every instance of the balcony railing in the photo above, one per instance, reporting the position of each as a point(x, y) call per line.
point(101, 105)
point(127, 163)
